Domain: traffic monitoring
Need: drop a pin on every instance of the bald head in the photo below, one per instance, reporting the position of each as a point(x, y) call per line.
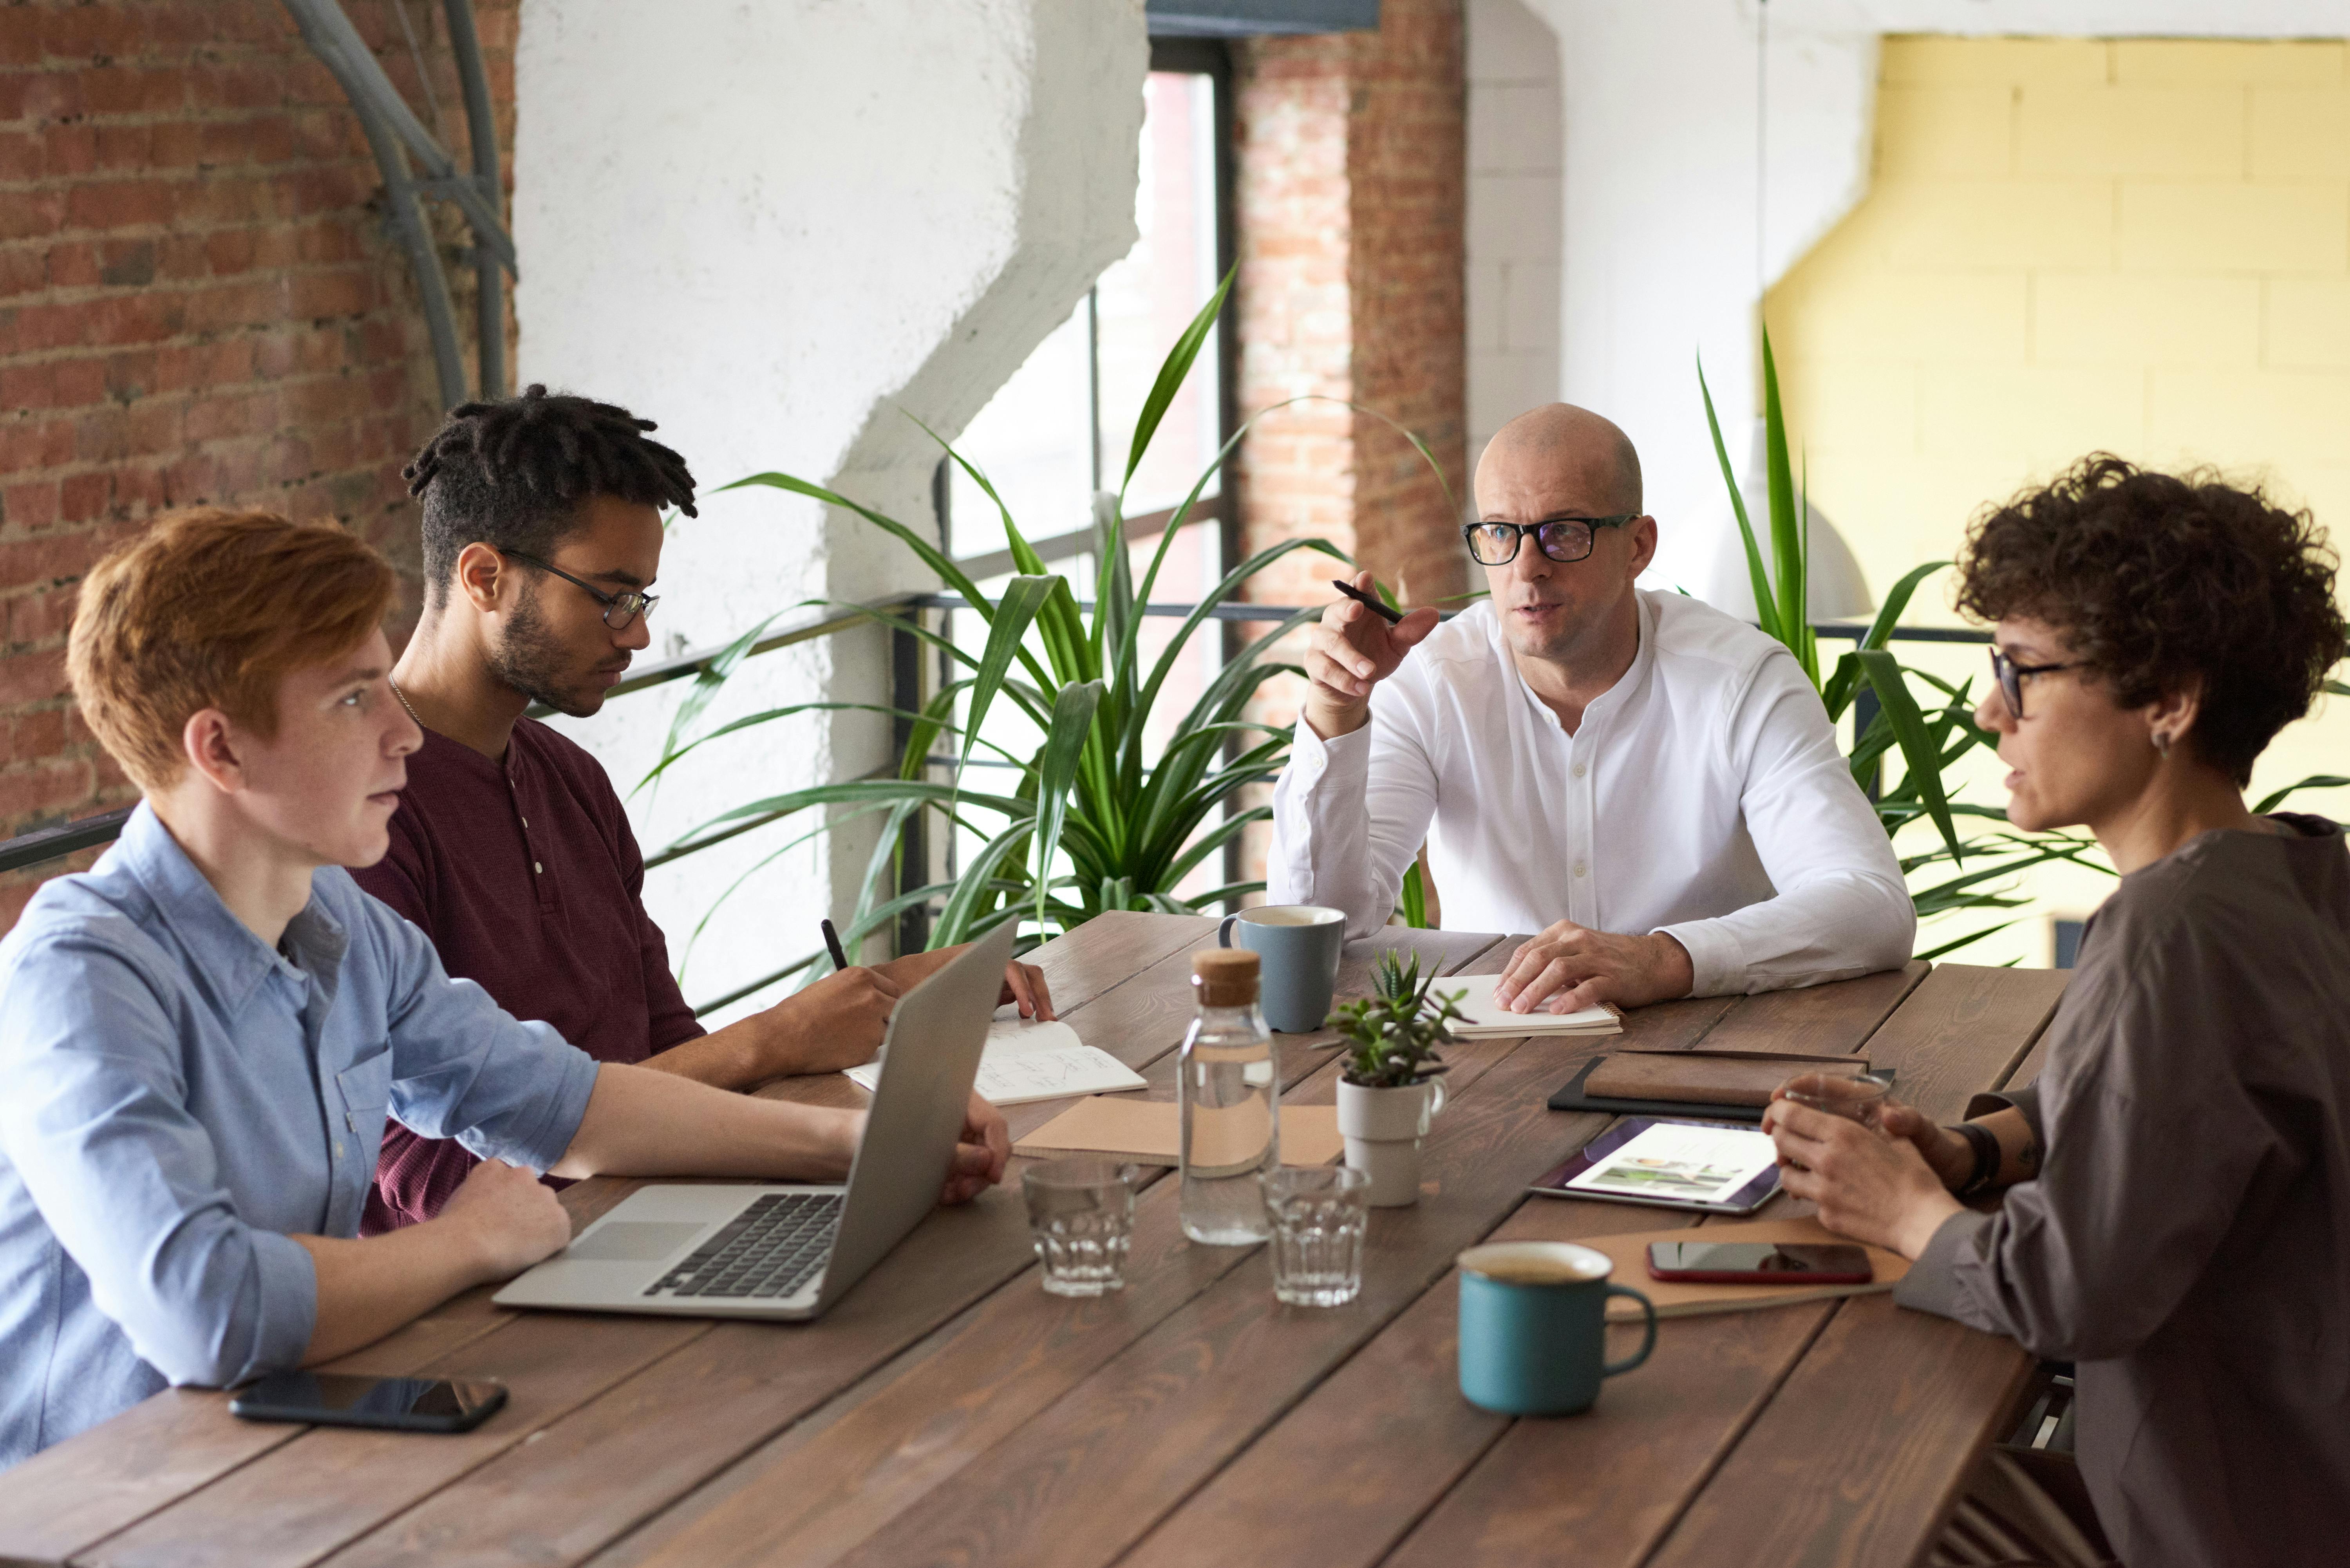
point(1560, 446)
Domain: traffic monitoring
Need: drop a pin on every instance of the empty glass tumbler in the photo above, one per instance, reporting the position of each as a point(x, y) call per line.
point(1858, 1098)
point(1319, 1215)
point(1081, 1218)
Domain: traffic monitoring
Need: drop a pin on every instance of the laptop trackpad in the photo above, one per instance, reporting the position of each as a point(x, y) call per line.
point(632, 1242)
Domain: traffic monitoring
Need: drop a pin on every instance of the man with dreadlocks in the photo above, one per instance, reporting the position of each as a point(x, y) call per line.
point(510, 848)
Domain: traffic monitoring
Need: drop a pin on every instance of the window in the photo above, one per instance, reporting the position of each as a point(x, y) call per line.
point(1060, 428)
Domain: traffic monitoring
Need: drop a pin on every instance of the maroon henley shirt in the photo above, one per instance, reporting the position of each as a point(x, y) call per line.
point(527, 880)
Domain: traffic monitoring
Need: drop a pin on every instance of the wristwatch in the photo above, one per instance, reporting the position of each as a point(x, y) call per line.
point(1985, 1144)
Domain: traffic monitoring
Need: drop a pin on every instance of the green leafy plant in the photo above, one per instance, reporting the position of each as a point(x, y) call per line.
point(1929, 737)
point(1087, 819)
point(1391, 1037)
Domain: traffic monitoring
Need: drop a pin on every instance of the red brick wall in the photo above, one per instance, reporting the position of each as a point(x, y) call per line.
point(199, 301)
point(1352, 180)
point(1352, 176)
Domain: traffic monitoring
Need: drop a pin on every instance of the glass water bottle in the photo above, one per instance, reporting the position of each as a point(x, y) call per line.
point(1229, 1084)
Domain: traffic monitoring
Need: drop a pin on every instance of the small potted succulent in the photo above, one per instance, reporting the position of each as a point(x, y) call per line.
point(1388, 1090)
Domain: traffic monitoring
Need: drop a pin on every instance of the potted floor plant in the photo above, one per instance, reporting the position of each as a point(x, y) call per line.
point(1388, 1087)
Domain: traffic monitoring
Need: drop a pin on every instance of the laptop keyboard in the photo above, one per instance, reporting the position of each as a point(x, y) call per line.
point(766, 1252)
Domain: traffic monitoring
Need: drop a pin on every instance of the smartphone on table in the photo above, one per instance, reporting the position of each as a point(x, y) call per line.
point(1759, 1263)
point(393, 1404)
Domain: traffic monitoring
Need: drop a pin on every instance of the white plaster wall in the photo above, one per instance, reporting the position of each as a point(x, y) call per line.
point(1658, 178)
point(1512, 242)
point(776, 228)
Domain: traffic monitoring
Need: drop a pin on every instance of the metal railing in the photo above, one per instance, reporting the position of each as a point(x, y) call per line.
point(45, 845)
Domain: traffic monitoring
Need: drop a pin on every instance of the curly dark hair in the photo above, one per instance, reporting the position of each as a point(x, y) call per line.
point(2159, 580)
point(512, 474)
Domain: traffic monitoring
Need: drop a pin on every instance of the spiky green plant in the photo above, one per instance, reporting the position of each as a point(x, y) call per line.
point(1391, 1036)
point(1931, 739)
point(1091, 820)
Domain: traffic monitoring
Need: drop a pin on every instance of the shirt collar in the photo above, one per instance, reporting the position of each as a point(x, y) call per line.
point(218, 944)
point(1643, 659)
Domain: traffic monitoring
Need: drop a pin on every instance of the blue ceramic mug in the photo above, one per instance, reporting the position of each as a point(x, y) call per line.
point(1298, 948)
point(1534, 1326)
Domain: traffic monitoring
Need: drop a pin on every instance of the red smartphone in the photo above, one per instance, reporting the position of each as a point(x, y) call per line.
point(1759, 1263)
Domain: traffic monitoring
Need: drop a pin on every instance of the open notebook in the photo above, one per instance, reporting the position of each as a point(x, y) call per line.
point(1487, 1018)
point(1026, 1061)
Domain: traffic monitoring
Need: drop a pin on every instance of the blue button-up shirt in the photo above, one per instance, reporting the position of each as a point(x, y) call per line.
point(177, 1100)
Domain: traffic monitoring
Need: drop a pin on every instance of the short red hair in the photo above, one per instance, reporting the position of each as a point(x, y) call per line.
point(211, 608)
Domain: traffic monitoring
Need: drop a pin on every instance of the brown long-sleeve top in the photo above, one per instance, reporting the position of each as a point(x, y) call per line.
point(2188, 1239)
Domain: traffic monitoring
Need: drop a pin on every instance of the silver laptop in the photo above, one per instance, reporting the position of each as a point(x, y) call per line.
point(791, 1251)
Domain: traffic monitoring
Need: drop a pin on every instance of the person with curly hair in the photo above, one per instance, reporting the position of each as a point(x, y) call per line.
point(2176, 1213)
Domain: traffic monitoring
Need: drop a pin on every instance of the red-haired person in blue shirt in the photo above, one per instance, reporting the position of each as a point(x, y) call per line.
point(203, 1037)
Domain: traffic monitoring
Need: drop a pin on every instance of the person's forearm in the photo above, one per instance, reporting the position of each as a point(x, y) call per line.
point(640, 1123)
point(368, 1288)
point(909, 971)
point(743, 1055)
point(2019, 1151)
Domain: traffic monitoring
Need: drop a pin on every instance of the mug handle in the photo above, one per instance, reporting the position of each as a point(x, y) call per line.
point(1435, 1103)
point(1224, 931)
point(1647, 1343)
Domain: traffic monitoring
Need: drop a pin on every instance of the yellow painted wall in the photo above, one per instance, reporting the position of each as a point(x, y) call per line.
point(2138, 246)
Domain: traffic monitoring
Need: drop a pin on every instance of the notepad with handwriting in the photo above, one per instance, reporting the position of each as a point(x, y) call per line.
point(1026, 1061)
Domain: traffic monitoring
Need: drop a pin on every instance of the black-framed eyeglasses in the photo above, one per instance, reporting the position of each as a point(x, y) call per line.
point(621, 610)
point(1565, 540)
point(2009, 676)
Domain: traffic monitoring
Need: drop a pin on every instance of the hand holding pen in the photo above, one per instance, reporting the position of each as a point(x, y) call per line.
point(1359, 643)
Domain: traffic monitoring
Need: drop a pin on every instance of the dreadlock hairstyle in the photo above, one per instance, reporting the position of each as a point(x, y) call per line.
point(513, 473)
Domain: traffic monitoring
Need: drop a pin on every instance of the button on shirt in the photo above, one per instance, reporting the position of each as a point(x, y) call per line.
point(177, 1101)
point(1702, 797)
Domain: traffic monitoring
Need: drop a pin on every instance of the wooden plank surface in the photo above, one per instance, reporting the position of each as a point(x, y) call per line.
point(1336, 1430)
point(821, 1488)
point(1962, 1031)
point(578, 1484)
point(964, 1361)
point(949, 1412)
point(300, 1501)
point(1087, 1477)
point(1819, 1020)
point(1858, 1459)
point(149, 1458)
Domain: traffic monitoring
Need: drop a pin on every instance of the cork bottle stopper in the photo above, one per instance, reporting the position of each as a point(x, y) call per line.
point(1224, 977)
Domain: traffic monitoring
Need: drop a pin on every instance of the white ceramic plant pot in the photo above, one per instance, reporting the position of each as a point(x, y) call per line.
point(1383, 1128)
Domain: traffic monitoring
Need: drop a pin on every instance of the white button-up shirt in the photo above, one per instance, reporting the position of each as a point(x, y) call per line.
point(1702, 797)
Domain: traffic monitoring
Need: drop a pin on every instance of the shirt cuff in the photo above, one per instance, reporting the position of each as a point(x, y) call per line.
point(1311, 757)
point(541, 1147)
point(1933, 1283)
point(1716, 968)
point(288, 1299)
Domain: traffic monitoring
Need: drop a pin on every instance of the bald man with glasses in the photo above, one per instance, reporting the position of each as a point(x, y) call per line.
point(1649, 783)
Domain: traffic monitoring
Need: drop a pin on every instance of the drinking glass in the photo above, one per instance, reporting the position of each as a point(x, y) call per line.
point(1081, 1219)
point(1319, 1216)
point(1857, 1099)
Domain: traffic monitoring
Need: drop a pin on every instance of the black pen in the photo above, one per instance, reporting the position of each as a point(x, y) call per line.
point(832, 945)
point(1360, 597)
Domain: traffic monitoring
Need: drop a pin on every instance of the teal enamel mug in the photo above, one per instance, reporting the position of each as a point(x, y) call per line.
point(1534, 1327)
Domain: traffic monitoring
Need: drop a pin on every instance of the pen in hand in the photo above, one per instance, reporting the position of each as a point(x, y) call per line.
point(1393, 617)
point(832, 945)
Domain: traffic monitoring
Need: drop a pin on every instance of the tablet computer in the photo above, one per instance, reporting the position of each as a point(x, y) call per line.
point(1719, 1167)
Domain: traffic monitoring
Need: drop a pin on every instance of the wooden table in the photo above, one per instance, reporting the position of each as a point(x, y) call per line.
point(948, 1411)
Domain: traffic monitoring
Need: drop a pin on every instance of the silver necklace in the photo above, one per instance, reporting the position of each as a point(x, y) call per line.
point(404, 703)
